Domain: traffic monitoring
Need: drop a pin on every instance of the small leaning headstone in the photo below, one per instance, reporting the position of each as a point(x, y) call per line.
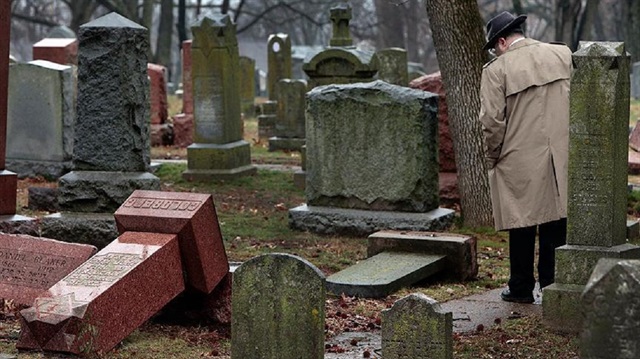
point(278, 309)
point(416, 327)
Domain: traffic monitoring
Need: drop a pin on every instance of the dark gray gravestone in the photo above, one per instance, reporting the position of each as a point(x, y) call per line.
point(416, 327)
point(611, 311)
point(278, 309)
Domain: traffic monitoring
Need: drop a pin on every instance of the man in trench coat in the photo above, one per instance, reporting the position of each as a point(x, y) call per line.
point(525, 120)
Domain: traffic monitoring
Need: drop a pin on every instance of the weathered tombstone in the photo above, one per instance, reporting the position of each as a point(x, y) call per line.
point(267, 119)
point(111, 135)
point(611, 311)
point(98, 304)
point(31, 265)
point(597, 197)
point(60, 51)
point(247, 85)
point(362, 165)
point(42, 111)
point(161, 133)
point(218, 151)
point(298, 54)
point(415, 70)
point(278, 309)
point(341, 62)
point(289, 126)
point(183, 122)
point(279, 60)
point(392, 66)
point(416, 327)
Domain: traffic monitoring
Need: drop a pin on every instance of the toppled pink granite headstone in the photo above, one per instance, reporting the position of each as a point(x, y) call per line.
point(158, 93)
point(31, 265)
point(192, 216)
point(183, 130)
point(98, 304)
point(60, 51)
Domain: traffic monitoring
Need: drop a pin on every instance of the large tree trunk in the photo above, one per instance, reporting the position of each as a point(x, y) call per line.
point(458, 37)
point(632, 30)
point(165, 34)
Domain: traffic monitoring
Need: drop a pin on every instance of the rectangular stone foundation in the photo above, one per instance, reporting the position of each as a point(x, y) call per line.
point(285, 144)
point(218, 162)
point(561, 307)
point(8, 188)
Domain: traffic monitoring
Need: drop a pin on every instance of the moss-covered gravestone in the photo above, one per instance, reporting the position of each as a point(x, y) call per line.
point(218, 151)
point(279, 62)
point(278, 309)
point(416, 327)
point(597, 201)
point(371, 160)
point(247, 85)
point(611, 311)
point(392, 66)
point(289, 126)
point(341, 62)
point(267, 119)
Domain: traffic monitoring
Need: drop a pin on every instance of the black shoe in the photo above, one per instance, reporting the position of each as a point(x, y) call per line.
point(507, 296)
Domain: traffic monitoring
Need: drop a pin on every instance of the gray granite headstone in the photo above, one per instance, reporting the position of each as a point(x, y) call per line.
point(372, 146)
point(41, 113)
point(392, 66)
point(279, 62)
point(278, 309)
point(597, 182)
point(611, 311)
point(416, 327)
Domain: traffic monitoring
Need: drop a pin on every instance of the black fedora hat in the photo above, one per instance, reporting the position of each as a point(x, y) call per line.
point(501, 25)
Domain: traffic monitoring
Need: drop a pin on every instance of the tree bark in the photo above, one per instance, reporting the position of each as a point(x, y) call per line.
point(458, 37)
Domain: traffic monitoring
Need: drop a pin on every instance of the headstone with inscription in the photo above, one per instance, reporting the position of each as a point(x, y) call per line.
point(611, 311)
point(247, 85)
point(267, 119)
point(218, 151)
point(42, 112)
point(279, 62)
point(597, 197)
point(341, 62)
point(290, 122)
point(416, 327)
point(278, 310)
point(31, 265)
point(392, 66)
point(97, 305)
point(61, 51)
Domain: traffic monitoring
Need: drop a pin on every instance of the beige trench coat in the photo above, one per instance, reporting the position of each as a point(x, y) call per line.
point(525, 119)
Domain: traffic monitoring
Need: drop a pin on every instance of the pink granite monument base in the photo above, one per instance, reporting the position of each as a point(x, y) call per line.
point(60, 51)
point(157, 93)
point(192, 216)
point(101, 302)
point(31, 265)
point(183, 130)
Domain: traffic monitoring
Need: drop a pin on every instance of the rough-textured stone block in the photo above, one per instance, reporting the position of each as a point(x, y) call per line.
point(182, 130)
point(16, 224)
point(43, 199)
point(97, 305)
point(290, 96)
point(61, 51)
point(460, 250)
point(218, 162)
point(97, 229)
point(416, 327)
point(561, 307)
point(278, 309)
point(31, 265)
point(392, 66)
point(372, 146)
point(574, 264)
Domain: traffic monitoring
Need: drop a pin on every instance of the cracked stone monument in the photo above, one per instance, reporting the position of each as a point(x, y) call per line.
point(289, 128)
point(42, 112)
point(371, 161)
point(392, 66)
point(597, 201)
point(9, 221)
point(278, 309)
point(218, 151)
point(611, 311)
point(416, 327)
point(341, 62)
point(279, 62)
point(111, 136)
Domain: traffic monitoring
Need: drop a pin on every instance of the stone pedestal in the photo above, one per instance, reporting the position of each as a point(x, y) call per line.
point(208, 161)
point(8, 188)
point(285, 144)
point(267, 120)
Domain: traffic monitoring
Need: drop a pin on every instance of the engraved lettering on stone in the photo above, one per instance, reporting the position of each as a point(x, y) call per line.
point(29, 269)
point(163, 204)
point(103, 269)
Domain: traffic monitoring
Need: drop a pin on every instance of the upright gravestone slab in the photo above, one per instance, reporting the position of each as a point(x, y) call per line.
point(97, 305)
point(161, 132)
point(267, 119)
point(374, 147)
point(635, 80)
point(219, 152)
point(183, 122)
point(278, 309)
point(279, 62)
point(289, 127)
point(340, 63)
point(597, 197)
point(611, 311)
point(416, 327)
point(31, 265)
point(392, 66)
point(60, 51)
point(247, 85)
point(42, 111)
